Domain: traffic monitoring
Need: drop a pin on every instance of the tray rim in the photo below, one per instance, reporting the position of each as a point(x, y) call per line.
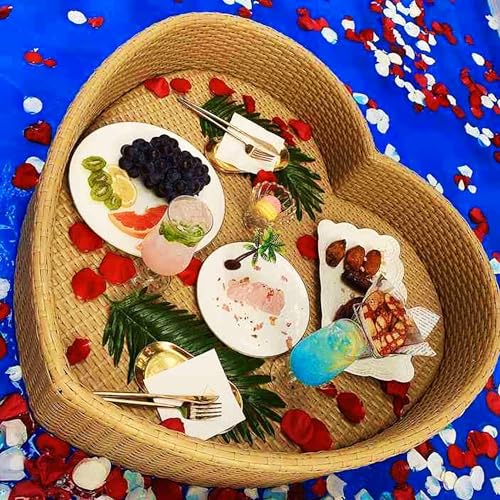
point(61, 386)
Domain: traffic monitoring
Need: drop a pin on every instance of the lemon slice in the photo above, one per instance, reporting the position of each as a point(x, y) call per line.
point(116, 170)
point(125, 189)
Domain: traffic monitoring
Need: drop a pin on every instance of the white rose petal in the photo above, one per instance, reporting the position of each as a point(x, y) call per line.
point(492, 96)
point(372, 116)
point(492, 431)
point(487, 102)
point(449, 480)
point(473, 131)
point(451, 100)
point(495, 485)
point(91, 473)
point(465, 170)
point(423, 46)
point(14, 372)
point(409, 51)
point(395, 58)
point(428, 60)
point(389, 13)
point(77, 17)
point(421, 496)
point(484, 141)
point(252, 493)
point(32, 105)
point(477, 477)
point(434, 461)
point(399, 82)
point(348, 24)
point(398, 37)
point(407, 69)
point(488, 133)
point(399, 19)
point(382, 69)
point(38, 163)
point(360, 98)
point(335, 486)
point(478, 59)
point(415, 460)
point(461, 185)
point(412, 29)
point(363, 495)
point(4, 288)
point(12, 464)
point(404, 10)
point(431, 40)
point(14, 431)
point(433, 486)
point(329, 35)
point(414, 10)
point(472, 189)
point(430, 79)
point(463, 488)
point(448, 435)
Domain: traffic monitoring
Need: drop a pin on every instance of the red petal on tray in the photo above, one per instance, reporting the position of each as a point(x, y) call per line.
point(78, 351)
point(302, 129)
point(394, 388)
point(470, 459)
point(50, 469)
point(264, 176)
point(164, 489)
point(4, 310)
point(50, 62)
point(297, 426)
point(425, 449)
point(493, 402)
point(321, 439)
point(95, 22)
point(25, 176)
point(398, 404)
point(266, 3)
point(5, 11)
point(158, 85)
point(476, 215)
point(219, 88)
point(52, 445)
point(403, 492)
point(289, 139)
point(3, 347)
point(249, 103)
point(117, 269)
point(226, 494)
point(280, 122)
point(307, 246)
point(456, 456)
point(458, 112)
point(12, 406)
point(180, 85)
point(244, 12)
point(481, 443)
point(87, 284)
point(84, 238)
point(307, 23)
point(31, 466)
point(351, 407)
point(190, 275)
point(27, 489)
point(116, 485)
point(319, 487)
point(33, 57)
point(174, 424)
point(400, 470)
point(39, 132)
point(328, 390)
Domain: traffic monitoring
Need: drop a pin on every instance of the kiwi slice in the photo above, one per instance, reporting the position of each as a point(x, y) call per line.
point(101, 191)
point(114, 202)
point(99, 177)
point(94, 163)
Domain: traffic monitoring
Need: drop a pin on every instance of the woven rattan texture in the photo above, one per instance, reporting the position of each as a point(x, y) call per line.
point(441, 255)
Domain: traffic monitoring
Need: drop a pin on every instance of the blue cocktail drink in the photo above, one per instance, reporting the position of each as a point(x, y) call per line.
point(320, 357)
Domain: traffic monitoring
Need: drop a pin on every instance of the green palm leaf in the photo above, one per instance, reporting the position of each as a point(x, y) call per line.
point(141, 318)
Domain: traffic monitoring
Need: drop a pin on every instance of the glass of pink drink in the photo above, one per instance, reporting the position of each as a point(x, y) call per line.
point(169, 247)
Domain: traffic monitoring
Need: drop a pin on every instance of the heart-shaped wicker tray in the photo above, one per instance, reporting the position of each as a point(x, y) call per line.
point(445, 267)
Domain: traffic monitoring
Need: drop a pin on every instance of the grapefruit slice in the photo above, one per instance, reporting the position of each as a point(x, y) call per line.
point(138, 225)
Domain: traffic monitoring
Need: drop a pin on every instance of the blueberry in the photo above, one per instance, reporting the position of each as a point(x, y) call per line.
point(125, 163)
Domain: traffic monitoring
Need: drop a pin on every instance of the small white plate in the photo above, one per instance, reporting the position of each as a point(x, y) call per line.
point(334, 292)
point(241, 327)
point(107, 142)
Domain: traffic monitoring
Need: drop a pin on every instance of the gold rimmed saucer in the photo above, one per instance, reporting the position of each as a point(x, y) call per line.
point(160, 356)
point(228, 168)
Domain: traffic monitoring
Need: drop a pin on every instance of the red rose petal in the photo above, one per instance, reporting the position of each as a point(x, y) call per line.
point(31, 466)
point(400, 470)
point(158, 86)
point(470, 459)
point(289, 139)
point(78, 351)
point(116, 485)
point(307, 23)
point(57, 493)
point(33, 57)
point(302, 129)
point(28, 490)
point(264, 176)
point(244, 12)
point(219, 88)
point(425, 449)
point(3, 347)
point(249, 103)
point(403, 492)
point(190, 275)
point(50, 469)
point(493, 402)
point(319, 487)
point(496, 140)
point(75, 459)
point(5, 11)
point(39, 132)
point(456, 456)
point(25, 176)
point(52, 445)
point(398, 404)
point(296, 491)
point(280, 122)
point(307, 246)
point(468, 39)
point(12, 406)
point(266, 3)
point(481, 443)
point(476, 215)
point(328, 390)
point(351, 407)
point(394, 388)
point(84, 238)
point(297, 426)
point(50, 62)
point(174, 424)
point(95, 22)
point(180, 85)
point(4, 310)
point(117, 269)
point(87, 284)
point(164, 489)
point(226, 494)
point(321, 439)
point(458, 112)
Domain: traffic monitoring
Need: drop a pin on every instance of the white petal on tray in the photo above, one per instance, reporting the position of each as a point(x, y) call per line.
point(91, 473)
point(428, 60)
point(409, 51)
point(12, 464)
point(448, 435)
point(449, 480)
point(478, 59)
point(335, 486)
point(495, 484)
point(198, 493)
point(435, 465)
point(4, 492)
point(420, 495)
point(4, 288)
point(278, 493)
point(14, 431)
point(473, 131)
point(32, 105)
point(348, 24)
point(492, 431)
point(433, 486)
point(465, 170)
point(134, 480)
point(14, 373)
point(488, 132)
point(415, 460)
point(363, 495)
point(477, 477)
point(463, 488)
point(38, 163)
point(360, 98)
point(412, 29)
point(329, 35)
point(252, 493)
point(77, 17)
point(423, 46)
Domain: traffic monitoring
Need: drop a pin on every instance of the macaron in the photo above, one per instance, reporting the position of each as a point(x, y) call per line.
point(268, 207)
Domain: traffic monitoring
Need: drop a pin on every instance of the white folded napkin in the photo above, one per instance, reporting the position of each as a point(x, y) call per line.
point(201, 375)
point(232, 150)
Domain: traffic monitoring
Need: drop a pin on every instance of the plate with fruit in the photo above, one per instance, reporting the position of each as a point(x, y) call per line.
point(123, 176)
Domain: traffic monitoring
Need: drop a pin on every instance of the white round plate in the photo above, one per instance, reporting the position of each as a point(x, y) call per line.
point(106, 142)
point(241, 327)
